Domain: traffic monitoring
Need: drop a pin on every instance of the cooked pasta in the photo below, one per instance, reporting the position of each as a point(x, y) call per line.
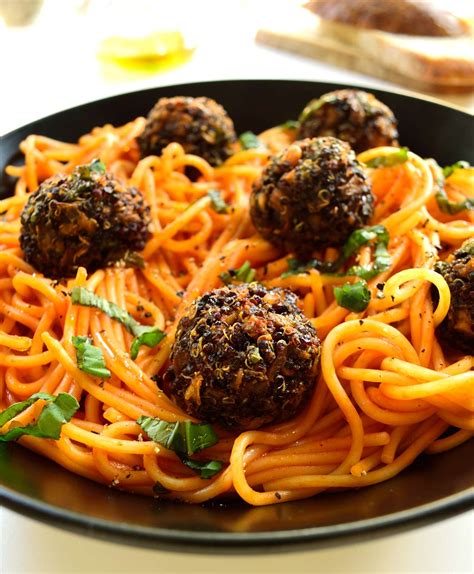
point(386, 391)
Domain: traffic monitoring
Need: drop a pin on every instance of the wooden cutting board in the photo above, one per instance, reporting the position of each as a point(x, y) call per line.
point(297, 30)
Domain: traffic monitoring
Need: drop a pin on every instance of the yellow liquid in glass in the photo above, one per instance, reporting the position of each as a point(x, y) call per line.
point(123, 57)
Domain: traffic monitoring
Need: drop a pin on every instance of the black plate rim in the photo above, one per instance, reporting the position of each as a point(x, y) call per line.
point(204, 542)
point(281, 541)
point(398, 91)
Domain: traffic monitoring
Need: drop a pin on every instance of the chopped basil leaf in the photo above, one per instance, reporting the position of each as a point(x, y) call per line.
point(85, 171)
point(245, 273)
point(353, 296)
point(97, 165)
point(144, 334)
point(217, 203)
point(444, 203)
point(450, 169)
point(452, 207)
point(362, 236)
point(389, 160)
point(149, 336)
point(225, 277)
point(206, 468)
point(312, 106)
point(133, 259)
point(249, 140)
point(357, 239)
point(57, 411)
point(382, 259)
point(89, 358)
point(158, 488)
point(253, 355)
point(290, 125)
point(182, 437)
point(159, 431)
point(295, 266)
point(16, 408)
point(82, 296)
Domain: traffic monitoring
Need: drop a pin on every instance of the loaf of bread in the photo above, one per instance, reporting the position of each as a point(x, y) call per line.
point(446, 61)
point(438, 58)
point(410, 17)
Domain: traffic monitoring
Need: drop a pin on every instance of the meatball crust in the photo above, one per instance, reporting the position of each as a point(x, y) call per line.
point(457, 329)
point(312, 195)
point(200, 125)
point(353, 116)
point(244, 356)
point(86, 219)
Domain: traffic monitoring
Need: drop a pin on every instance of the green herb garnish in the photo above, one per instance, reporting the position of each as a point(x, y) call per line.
point(362, 236)
point(295, 266)
point(245, 274)
point(82, 296)
point(314, 105)
point(144, 334)
point(158, 488)
point(249, 140)
point(389, 160)
point(184, 438)
point(452, 207)
point(217, 203)
point(82, 179)
point(382, 261)
point(57, 411)
point(353, 296)
point(86, 171)
point(253, 355)
point(450, 169)
point(446, 205)
point(290, 125)
point(89, 358)
point(206, 468)
point(133, 259)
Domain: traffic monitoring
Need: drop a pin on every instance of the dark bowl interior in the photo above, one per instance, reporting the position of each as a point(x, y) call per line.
point(433, 487)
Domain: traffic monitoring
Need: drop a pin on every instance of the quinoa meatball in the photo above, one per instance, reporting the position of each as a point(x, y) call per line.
point(244, 356)
point(200, 125)
point(353, 116)
point(457, 329)
point(312, 195)
point(86, 219)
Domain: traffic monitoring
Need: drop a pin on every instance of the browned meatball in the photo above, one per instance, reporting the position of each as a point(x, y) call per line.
point(200, 125)
point(457, 329)
point(86, 219)
point(312, 195)
point(353, 116)
point(244, 356)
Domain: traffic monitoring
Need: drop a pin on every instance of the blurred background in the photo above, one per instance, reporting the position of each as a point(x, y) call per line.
point(59, 53)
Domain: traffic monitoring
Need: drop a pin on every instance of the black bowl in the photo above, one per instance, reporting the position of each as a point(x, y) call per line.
point(431, 488)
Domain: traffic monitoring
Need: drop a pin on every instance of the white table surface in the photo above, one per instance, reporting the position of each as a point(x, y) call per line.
point(30, 547)
point(71, 77)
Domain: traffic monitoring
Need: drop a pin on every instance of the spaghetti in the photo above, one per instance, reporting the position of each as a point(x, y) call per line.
point(386, 392)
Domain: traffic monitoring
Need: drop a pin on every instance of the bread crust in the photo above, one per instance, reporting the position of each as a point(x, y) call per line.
point(440, 61)
point(408, 17)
